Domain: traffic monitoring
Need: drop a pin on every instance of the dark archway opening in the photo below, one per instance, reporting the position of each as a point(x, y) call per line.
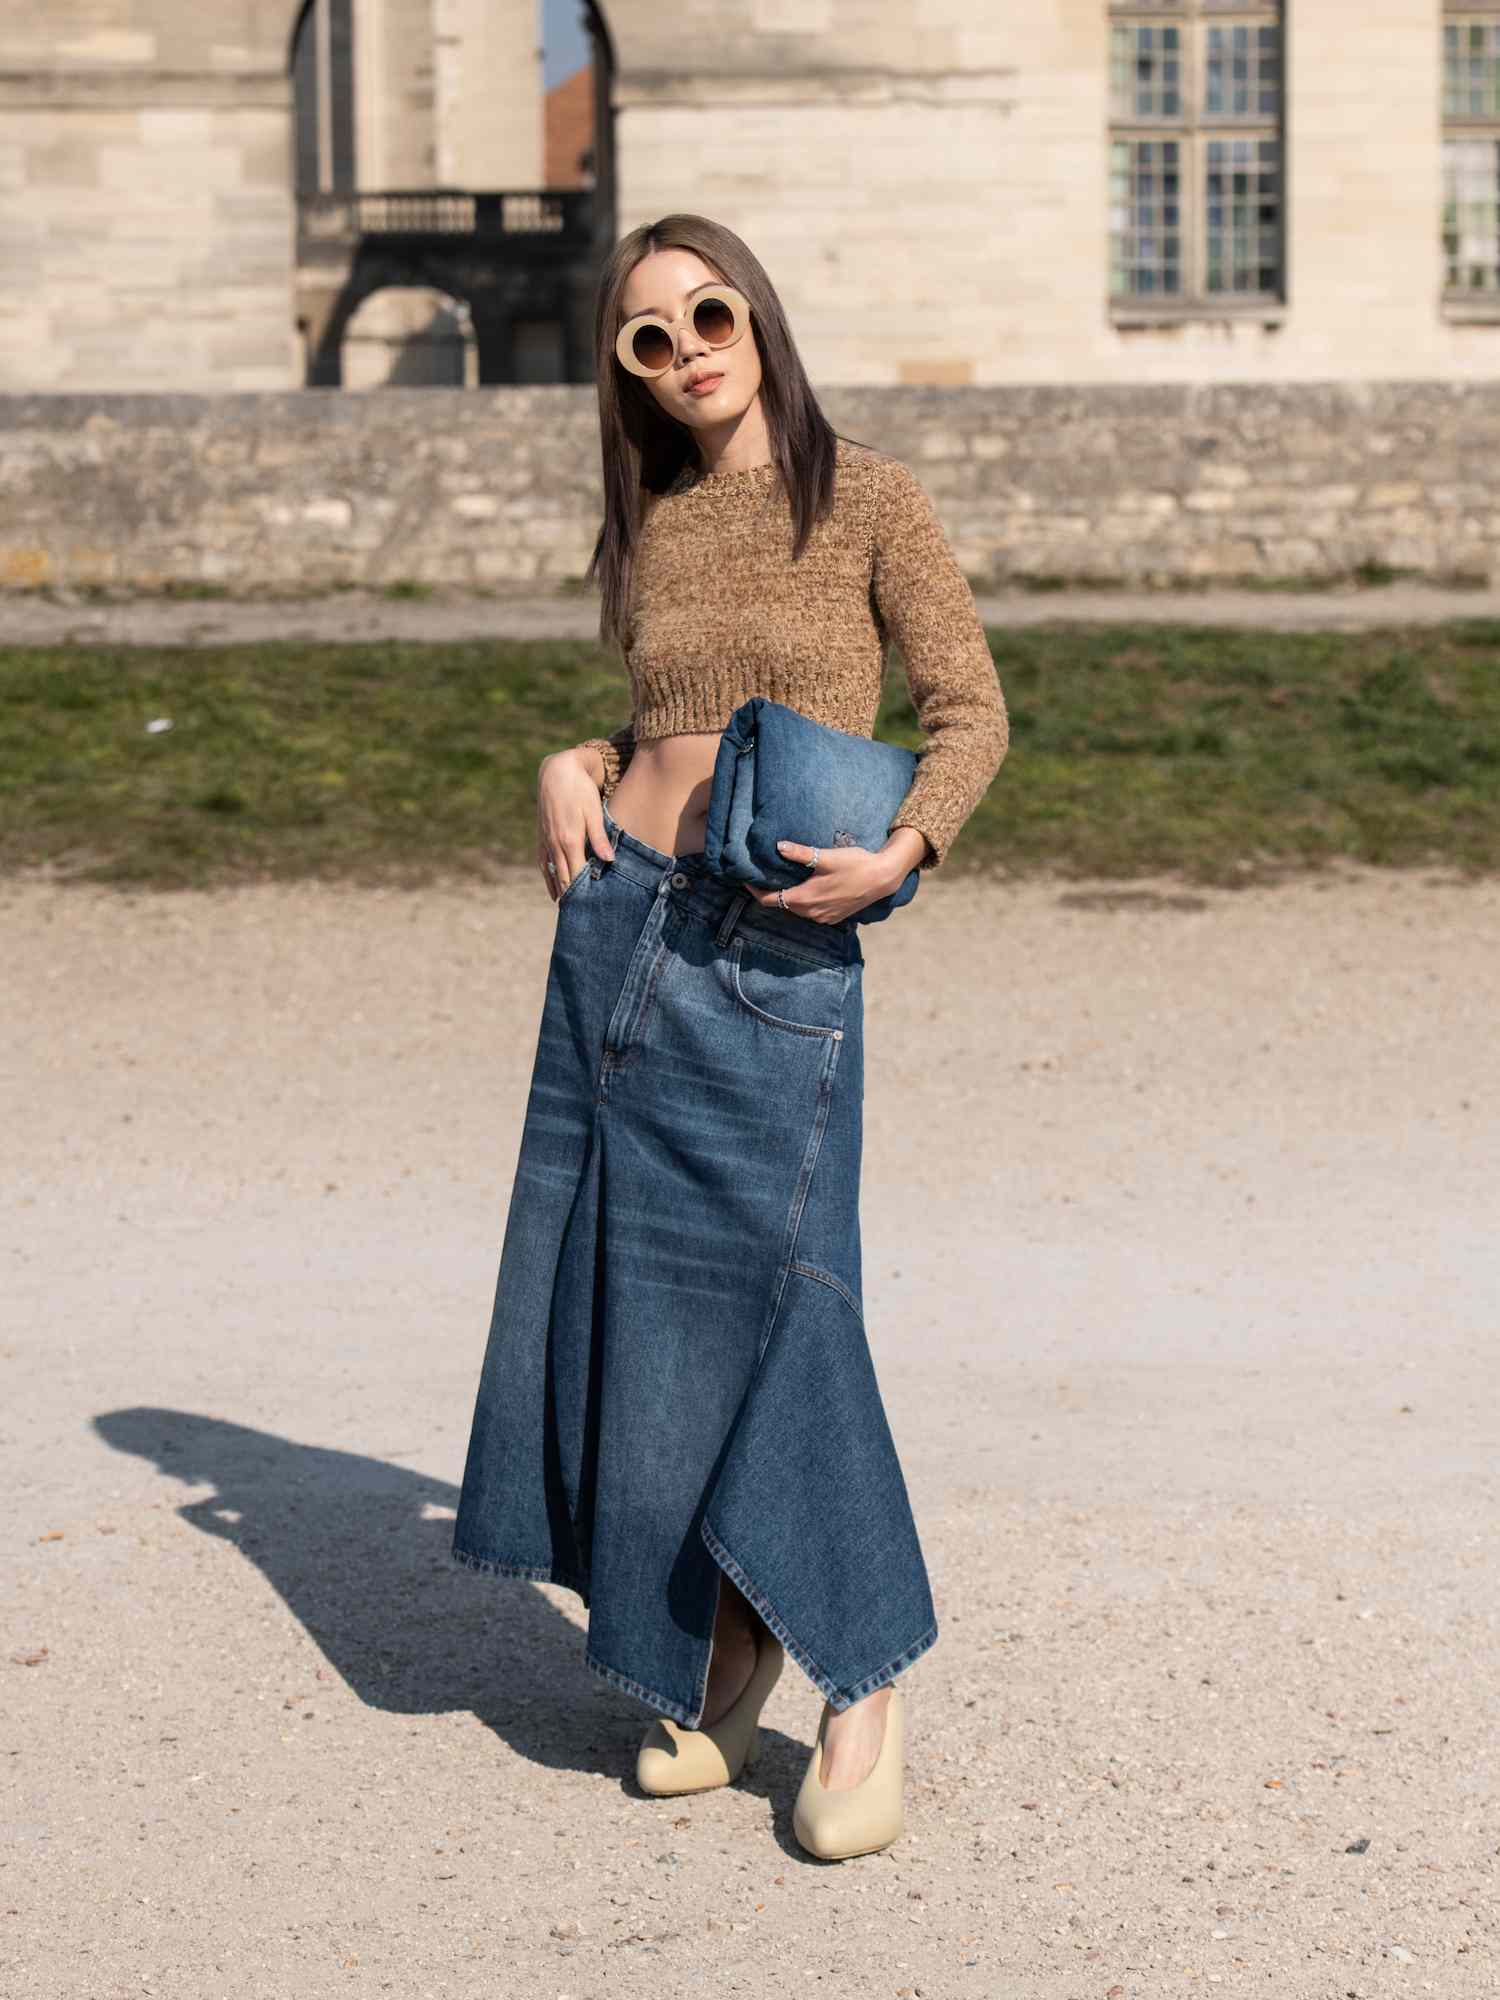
point(524, 262)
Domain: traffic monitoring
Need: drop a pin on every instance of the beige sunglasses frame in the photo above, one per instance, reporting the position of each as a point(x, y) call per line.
point(736, 301)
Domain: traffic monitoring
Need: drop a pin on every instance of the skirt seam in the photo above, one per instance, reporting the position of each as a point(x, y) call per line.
point(834, 1283)
point(810, 1153)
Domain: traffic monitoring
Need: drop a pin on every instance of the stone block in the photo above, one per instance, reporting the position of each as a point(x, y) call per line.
point(1291, 555)
point(24, 567)
point(1211, 474)
point(941, 444)
point(66, 158)
point(177, 129)
point(327, 512)
point(502, 565)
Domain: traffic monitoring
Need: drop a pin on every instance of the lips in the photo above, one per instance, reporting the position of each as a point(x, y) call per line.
point(704, 385)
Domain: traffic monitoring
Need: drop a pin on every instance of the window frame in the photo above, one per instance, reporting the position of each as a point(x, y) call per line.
point(1195, 129)
point(1463, 302)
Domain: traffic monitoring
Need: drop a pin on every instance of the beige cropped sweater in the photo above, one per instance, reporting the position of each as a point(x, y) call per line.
point(720, 612)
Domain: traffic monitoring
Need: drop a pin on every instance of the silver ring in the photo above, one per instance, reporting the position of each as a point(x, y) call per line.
point(781, 898)
point(814, 862)
point(551, 867)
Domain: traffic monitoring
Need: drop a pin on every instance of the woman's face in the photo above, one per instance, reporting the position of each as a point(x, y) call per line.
point(664, 282)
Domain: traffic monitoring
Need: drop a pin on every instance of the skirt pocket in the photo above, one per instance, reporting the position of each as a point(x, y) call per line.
point(588, 871)
point(784, 989)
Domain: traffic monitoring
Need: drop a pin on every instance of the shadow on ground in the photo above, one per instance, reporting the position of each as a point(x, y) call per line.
point(358, 1550)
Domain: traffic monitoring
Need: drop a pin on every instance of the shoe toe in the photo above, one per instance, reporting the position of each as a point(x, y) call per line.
point(835, 1836)
point(673, 1760)
point(855, 1819)
point(818, 1838)
point(659, 1763)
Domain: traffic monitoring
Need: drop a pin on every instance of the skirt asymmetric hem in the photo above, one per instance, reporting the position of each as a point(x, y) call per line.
point(677, 1383)
point(838, 1697)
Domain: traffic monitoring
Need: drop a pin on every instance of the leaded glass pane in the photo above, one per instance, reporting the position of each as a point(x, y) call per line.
point(1471, 215)
point(1242, 215)
point(1146, 69)
point(1145, 218)
point(1242, 71)
point(1471, 69)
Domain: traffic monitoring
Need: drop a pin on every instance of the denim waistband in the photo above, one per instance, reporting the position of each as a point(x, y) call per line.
point(711, 897)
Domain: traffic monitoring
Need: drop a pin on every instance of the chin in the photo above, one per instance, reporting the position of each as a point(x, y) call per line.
point(721, 409)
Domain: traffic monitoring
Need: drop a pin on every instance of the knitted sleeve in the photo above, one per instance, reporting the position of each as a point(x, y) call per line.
point(617, 750)
point(925, 603)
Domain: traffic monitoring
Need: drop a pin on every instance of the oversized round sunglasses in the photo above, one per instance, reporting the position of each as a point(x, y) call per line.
point(647, 343)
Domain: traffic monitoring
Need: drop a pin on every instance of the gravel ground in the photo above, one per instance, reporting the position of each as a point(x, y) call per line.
point(64, 618)
point(1179, 1217)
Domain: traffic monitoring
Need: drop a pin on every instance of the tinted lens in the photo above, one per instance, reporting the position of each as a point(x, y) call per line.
point(714, 320)
point(651, 347)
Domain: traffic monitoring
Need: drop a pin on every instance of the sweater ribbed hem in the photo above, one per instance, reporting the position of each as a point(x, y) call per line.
point(686, 707)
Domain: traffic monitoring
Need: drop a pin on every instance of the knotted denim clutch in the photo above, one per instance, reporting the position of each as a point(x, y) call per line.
point(778, 775)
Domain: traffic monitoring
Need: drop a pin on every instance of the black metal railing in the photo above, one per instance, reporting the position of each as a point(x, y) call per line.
point(331, 225)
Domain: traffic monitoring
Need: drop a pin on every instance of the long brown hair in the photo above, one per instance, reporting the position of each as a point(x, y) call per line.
point(644, 449)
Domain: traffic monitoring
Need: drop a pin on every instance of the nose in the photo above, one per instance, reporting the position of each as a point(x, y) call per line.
point(692, 342)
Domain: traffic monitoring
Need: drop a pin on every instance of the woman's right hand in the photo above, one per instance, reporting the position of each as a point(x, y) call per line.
point(569, 808)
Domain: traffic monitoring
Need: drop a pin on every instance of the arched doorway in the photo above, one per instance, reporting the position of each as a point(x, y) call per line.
point(522, 263)
point(410, 337)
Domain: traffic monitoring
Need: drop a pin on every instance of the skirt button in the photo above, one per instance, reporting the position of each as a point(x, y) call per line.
point(679, 880)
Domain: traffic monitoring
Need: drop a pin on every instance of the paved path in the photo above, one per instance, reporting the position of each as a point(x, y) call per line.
point(1180, 1221)
point(451, 615)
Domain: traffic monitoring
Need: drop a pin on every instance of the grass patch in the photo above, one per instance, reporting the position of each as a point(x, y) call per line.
point(1227, 756)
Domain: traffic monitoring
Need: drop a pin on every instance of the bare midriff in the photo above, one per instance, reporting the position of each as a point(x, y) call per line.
point(662, 798)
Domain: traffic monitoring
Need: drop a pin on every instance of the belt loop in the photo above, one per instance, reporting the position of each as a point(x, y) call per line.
point(731, 917)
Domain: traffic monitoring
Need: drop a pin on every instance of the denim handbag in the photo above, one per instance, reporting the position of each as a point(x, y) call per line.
point(778, 775)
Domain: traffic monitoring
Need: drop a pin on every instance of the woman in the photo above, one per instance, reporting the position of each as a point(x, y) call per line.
point(677, 1415)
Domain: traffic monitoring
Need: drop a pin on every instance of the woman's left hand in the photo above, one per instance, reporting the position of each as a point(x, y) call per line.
point(846, 878)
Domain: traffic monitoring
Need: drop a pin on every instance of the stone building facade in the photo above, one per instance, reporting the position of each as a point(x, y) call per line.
point(1066, 191)
point(161, 166)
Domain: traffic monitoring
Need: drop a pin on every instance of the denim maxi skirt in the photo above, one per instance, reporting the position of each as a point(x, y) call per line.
point(677, 1381)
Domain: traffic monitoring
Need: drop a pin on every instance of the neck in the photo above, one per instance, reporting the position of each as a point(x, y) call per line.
point(737, 446)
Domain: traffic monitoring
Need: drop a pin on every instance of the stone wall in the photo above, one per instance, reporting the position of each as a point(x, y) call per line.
point(500, 487)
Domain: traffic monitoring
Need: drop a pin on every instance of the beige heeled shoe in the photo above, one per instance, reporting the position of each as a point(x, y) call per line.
point(673, 1759)
point(855, 1819)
